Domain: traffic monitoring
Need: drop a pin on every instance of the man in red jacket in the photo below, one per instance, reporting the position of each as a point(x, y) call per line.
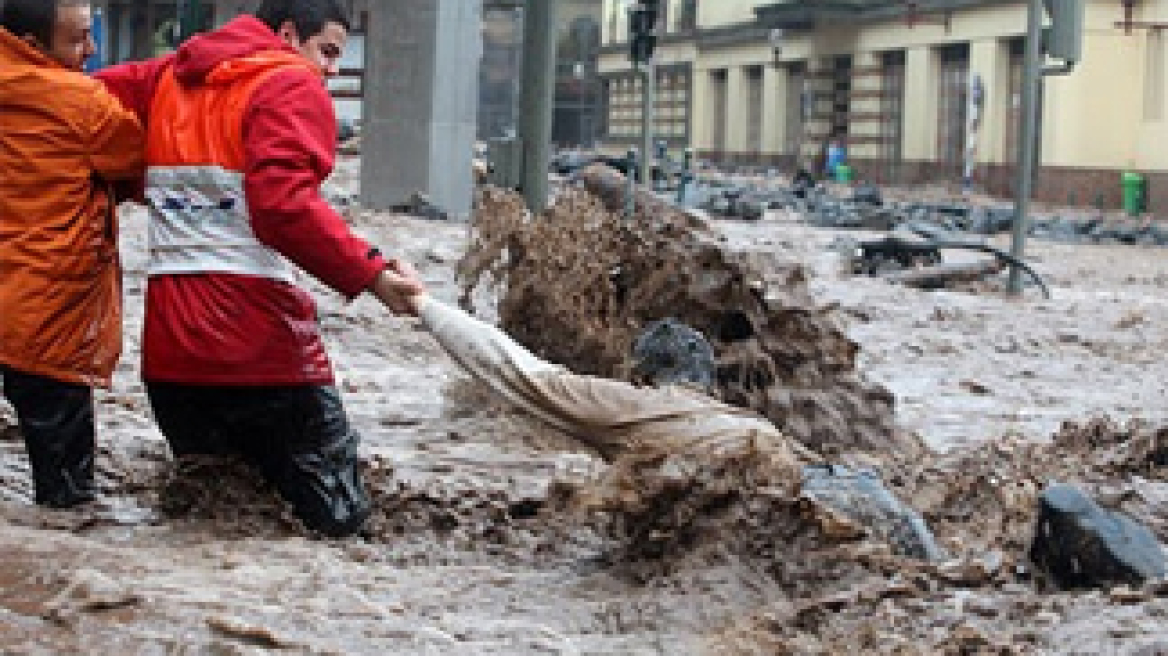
point(241, 132)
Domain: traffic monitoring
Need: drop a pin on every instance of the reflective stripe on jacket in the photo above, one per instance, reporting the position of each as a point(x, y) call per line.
point(199, 220)
point(199, 223)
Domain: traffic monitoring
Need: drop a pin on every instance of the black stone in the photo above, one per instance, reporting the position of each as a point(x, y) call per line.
point(751, 209)
point(1001, 219)
point(1079, 544)
point(670, 352)
point(868, 195)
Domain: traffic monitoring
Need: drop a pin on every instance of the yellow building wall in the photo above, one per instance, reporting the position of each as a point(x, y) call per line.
point(1111, 112)
point(1152, 134)
point(1092, 116)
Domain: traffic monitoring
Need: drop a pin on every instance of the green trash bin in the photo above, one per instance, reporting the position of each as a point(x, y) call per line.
point(844, 173)
point(1133, 193)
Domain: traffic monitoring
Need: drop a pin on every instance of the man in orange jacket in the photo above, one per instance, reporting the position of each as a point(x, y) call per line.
point(63, 140)
point(241, 132)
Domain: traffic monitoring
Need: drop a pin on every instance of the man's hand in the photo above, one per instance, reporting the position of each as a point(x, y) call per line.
point(399, 288)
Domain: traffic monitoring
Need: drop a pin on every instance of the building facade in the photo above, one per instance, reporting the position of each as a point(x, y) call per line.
point(578, 112)
point(911, 95)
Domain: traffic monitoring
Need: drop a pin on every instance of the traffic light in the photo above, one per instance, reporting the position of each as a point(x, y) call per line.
point(642, 30)
point(1064, 38)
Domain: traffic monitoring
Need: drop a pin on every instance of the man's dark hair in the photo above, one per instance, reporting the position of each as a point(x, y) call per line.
point(33, 17)
point(309, 16)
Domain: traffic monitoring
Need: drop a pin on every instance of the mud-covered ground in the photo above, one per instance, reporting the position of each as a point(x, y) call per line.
point(463, 555)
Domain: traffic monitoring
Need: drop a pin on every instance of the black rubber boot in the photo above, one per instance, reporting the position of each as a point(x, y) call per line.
point(325, 488)
point(56, 420)
point(298, 437)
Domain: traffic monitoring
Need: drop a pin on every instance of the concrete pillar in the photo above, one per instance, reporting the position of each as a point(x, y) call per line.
point(864, 126)
point(537, 97)
point(737, 111)
point(774, 109)
point(421, 88)
point(701, 111)
point(920, 108)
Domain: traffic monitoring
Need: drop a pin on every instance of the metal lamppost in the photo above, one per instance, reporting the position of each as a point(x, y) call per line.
point(642, 41)
point(1063, 40)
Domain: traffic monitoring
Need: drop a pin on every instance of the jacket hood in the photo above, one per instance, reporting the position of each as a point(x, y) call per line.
point(14, 50)
point(244, 36)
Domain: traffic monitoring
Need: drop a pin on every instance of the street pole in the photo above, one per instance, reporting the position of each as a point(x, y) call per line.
point(535, 105)
point(648, 102)
point(631, 192)
point(686, 176)
point(180, 21)
point(1028, 139)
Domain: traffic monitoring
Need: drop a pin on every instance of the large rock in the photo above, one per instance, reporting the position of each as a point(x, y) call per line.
point(863, 500)
point(1082, 545)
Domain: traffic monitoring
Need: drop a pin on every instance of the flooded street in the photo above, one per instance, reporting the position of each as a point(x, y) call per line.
point(464, 556)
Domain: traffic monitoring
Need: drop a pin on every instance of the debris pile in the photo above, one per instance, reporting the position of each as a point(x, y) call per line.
point(911, 256)
point(999, 590)
point(580, 282)
point(865, 207)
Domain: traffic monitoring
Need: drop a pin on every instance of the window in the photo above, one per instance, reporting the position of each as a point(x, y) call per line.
point(797, 95)
point(953, 89)
point(718, 88)
point(892, 111)
point(673, 101)
point(687, 20)
point(841, 102)
point(671, 109)
point(1016, 49)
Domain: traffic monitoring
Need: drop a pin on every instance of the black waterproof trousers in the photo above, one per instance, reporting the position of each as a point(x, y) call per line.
point(56, 420)
point(298, 437)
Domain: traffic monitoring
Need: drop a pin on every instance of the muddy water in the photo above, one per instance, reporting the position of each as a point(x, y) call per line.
point(461, 559)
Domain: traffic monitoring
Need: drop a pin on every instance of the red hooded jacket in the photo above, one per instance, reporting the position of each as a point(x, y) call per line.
point(272, 122)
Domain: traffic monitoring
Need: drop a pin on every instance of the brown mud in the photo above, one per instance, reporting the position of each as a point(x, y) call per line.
point(581, 282)
point(476, 546)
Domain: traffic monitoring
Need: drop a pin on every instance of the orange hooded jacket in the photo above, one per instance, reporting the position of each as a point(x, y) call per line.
point(63, 138)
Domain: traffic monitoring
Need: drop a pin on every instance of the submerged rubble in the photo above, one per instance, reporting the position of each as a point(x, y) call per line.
point(868, 207)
